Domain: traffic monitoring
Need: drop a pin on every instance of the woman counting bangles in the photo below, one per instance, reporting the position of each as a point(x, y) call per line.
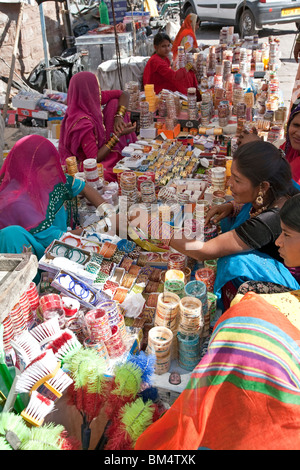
point(33, 194)
point(260, 183)
point(248, 381)
point(88, 131)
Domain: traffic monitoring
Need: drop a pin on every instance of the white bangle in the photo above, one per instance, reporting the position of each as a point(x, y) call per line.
point(105, 210)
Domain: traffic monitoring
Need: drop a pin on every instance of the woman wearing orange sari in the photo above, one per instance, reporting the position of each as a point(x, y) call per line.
point(186, 36)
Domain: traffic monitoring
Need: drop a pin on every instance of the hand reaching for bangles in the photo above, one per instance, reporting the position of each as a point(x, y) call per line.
point(123, 128)
point(247, 136)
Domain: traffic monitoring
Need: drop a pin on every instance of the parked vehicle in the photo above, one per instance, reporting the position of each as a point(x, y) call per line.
point(246, 15)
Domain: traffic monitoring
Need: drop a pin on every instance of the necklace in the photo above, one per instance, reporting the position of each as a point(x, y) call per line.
point(262, 209)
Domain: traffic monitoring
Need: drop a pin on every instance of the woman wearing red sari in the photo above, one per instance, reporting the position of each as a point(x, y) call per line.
point(158, 69)
point(88, 131)
point(291, 146)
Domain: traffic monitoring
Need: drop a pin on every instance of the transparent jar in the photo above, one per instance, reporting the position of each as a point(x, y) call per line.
point(192, 103)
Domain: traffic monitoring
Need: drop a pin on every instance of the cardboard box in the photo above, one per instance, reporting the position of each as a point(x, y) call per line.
point(34, 113)
point(170, 134)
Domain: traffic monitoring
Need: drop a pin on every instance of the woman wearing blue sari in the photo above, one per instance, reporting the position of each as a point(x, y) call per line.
point(260, 183)
point(36, 197)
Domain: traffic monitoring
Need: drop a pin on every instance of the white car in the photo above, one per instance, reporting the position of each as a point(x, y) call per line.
point(247, 15)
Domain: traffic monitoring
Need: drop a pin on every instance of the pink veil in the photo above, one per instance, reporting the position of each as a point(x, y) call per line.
point(28, 176)
point(84, 112)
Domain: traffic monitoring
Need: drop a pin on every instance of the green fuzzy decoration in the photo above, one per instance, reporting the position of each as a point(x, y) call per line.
point(4, 445)
point(128, 379)
point(46, 437)
point(87, 369)
point(136, 417)
point(13, 429)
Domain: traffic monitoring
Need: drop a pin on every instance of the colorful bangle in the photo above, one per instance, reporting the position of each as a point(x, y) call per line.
point(121, 110)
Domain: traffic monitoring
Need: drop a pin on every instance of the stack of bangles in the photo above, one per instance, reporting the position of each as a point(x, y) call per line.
point(121, 111)
point(105, 210)
point(112, 142)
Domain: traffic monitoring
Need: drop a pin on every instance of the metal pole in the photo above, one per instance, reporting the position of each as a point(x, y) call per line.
point(45, 46)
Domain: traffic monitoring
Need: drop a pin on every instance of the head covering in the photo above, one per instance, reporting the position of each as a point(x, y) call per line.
point(291, 153)
point(28, 176)
point(83, 113)
point(187, 28)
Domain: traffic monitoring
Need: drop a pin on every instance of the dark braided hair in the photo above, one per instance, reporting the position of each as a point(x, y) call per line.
point(261, 161)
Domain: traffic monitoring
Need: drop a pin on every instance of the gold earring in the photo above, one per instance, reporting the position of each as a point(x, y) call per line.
point(260, 200)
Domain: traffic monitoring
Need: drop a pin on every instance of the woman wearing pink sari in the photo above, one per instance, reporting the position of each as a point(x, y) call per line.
point(36, 197)
point(88, 131)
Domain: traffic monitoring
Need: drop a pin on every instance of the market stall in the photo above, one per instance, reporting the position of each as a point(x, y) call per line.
point(121, 320)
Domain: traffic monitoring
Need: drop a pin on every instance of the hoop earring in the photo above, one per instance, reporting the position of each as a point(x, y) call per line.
point(260, 200)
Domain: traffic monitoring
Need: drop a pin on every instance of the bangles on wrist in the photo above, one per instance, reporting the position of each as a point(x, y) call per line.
point(121, 111)
point(112, 142)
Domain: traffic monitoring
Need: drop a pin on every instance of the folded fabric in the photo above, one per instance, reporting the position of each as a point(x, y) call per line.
point(245, 392)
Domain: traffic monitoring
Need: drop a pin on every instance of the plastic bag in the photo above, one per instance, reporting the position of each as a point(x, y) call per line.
point(63, 70)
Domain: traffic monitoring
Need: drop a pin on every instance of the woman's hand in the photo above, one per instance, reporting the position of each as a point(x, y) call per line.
point(127, 129)
point(119, 124)
point(247, 136)
point(217, 213)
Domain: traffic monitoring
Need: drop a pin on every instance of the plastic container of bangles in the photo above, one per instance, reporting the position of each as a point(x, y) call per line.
point(159, 344)
point(50, 301)
point(174, 275)
point(108, 250)
point(141, 179)
point(120, 294)
point(212, 305)
point(8, 332)
point(207, 276)
point(201, 209)
point(76, 326)
point(33, 295)
point(17, 319)
point(114, 345)
point(128, 281)
point(174, 286)
point(219, 160)
point(72, 167)
point(97, 321)
point(176, 261)
point(211, 264)
point(111, 309)
point(189, 351)
point(191, 316)
point(110, 287)
point(25, 306)
point(168, 303)
point(148, 191)
point(122, 327)
point(198, 289)
point(59, 313)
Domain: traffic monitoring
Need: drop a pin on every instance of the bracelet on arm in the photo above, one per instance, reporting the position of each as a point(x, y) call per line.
point(236, 208)
point(121, 111)
point(112, 142)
